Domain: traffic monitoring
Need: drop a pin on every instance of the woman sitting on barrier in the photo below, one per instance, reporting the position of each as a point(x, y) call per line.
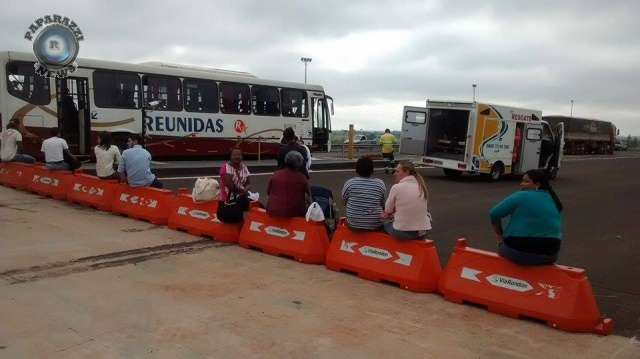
point(288, 189)
point(532, 235)
point(364, 198)
point(406, 208)
point(234, 180)
point(107, 157)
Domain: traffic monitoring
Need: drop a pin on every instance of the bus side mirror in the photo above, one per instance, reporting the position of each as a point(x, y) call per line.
point(331, 108)
point(618, 132)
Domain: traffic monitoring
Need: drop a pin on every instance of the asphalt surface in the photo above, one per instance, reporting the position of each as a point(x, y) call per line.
point(601, 220)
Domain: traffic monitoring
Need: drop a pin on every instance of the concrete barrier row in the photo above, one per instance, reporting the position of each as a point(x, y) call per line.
point(558, 295)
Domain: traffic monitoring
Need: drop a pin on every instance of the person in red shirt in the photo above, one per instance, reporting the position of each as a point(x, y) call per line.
point(288, 189)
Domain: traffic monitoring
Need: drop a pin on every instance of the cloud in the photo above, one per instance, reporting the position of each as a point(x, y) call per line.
point(374, 57)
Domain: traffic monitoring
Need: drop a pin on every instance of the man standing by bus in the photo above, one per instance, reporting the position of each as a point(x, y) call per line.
point(136, 162)
point(387, 140)
point(11, 144)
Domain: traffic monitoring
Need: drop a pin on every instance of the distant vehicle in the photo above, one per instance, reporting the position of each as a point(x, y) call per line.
point(481, 138)
point(585, 135)
point(361, 140)
point(619, 146)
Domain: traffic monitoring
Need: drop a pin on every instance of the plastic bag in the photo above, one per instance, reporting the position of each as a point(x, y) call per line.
point(314, 213)
point(254, 196)
point(205, 189)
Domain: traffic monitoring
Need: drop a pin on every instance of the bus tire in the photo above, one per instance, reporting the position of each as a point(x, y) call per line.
point(452, 173)
point(497, 170)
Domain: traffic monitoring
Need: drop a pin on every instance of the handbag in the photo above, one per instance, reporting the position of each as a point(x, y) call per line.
point(230, 211)
point(314, 213)
point(205, 189)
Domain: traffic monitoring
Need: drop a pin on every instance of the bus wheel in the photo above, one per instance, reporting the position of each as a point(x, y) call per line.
point(497, 170)
point(452, 173)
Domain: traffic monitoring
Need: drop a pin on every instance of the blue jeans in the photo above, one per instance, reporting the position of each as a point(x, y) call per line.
point(525, 258)
point(23, 159)
point(62, 166)
point(388, 227)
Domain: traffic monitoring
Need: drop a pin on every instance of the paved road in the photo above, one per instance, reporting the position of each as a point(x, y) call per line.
point(600, 195)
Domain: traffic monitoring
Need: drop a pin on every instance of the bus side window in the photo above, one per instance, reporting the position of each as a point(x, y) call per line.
point(23, 83)
point(294, 103)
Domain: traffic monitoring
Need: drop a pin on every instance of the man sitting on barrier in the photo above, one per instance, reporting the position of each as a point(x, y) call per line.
point(136, 162)
point(54, 149)
point(406, 208)
point(11, 144)
point(364, 197)
point(107, 157)
point(532, 235)
point(288, 189)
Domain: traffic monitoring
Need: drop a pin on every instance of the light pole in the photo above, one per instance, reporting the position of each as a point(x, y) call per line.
point(474, 92)
point(571, 108)
point(306, 60)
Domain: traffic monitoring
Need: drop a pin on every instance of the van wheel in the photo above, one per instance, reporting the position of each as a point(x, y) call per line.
point(552, 172)
point(497, 170)
point(452, 173)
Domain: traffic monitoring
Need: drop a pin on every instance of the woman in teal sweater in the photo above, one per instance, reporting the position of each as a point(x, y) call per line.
point(532, 235)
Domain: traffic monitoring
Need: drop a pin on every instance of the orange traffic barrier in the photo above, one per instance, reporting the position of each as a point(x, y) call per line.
point(376, 256)
point(147, 203)
point(306, 242)
point(16, 175)
point(49, 183)
point(91, 191)
point(558, 295)
point(199, 219)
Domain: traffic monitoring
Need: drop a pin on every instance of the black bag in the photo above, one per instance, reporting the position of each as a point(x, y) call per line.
point(230, 211)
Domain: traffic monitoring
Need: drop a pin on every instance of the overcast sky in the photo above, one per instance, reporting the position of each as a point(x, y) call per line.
point(374, 57)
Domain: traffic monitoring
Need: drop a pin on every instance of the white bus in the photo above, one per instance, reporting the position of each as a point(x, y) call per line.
point(205, 112)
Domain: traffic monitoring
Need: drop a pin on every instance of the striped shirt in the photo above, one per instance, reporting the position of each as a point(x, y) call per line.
point(365, 198)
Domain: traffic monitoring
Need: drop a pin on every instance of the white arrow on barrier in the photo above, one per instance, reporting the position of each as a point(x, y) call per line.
point(215, 219)
point(470, 273)
point(518, 285)
point(182, 210)
point(35, 178)
point(298, 236)
point(255, 226)
point(153, 203)
point(76, 187)
point(124, 197)
point(348, 246)
point(404, 259)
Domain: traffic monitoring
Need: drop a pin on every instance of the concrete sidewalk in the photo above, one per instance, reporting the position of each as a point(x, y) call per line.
point(78, 283)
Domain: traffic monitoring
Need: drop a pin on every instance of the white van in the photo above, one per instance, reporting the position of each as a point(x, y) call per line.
point(481, 138)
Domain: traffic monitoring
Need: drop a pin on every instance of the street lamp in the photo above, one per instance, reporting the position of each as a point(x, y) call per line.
point(474, 92)
point(571, 108)
point(306, 60)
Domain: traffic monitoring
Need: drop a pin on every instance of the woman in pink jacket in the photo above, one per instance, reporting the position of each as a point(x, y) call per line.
point(405, 211)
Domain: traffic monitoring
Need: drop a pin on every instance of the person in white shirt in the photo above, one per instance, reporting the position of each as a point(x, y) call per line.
point(107, 157)
point(308, 161)
point(11, 144)
point(54, 149)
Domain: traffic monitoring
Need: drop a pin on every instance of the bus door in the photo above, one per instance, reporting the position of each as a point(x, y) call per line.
point(321, 126)
point(531, 146)
point(74, 116)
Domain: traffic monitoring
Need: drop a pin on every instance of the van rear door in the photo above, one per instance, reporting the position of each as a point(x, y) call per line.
point(531, 146)
point(414, 130)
